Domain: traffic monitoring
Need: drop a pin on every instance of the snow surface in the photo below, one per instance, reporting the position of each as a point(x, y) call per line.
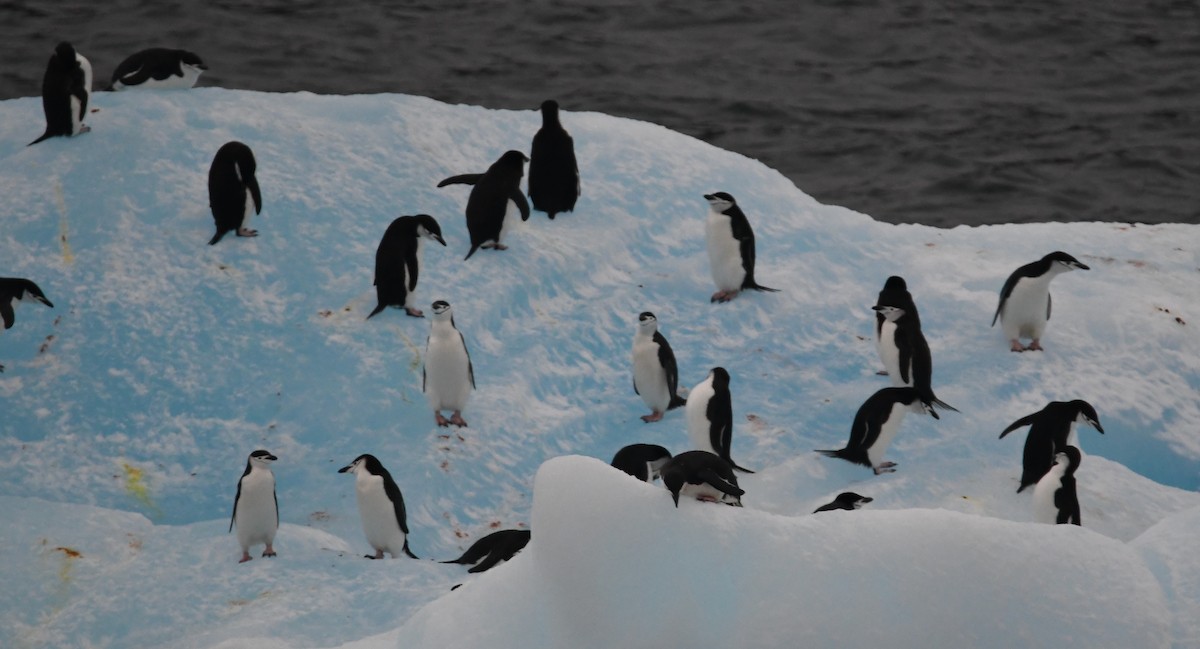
point(129, 408)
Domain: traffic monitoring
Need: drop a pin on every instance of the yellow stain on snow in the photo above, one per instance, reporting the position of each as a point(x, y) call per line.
point(60, 200)
point(136, 487)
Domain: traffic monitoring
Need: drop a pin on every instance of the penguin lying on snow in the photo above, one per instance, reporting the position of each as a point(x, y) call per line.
point(1024, 307)
point(14, 290)
point(875, 425)
point(553, 171)
point(487, 206)
point(655, 373)
point(642, 461)
point(709, 414)
point(730, 248)
point(66, 91)
point(398, 261)
point(233, 192)
point(703, 476)
point(1049, 433)
point(1054, 497)
point(847, 500)
point(255, 506)
point(448, 376)
point(381, 507)
point(158, 68)
point(493, 549)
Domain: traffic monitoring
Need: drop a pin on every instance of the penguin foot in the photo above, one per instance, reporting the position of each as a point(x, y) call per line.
point(885, 467)
point(1016, 346)
point(457, 420)
point(378, 555)
point(416, 313)
point(441, 421)
point(654, 416)
point(83, 128)
point(245, 557)
point(723, 296)
point(1035, 346)
point(246, 232)
point(269, 552)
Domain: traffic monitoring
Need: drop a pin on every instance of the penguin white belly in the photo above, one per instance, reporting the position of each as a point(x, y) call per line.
point(447, 372)
point(378, 515)
point(696, 413)
point(256, 519)
point(511, 214)
point(1044, 509)
point(248, 210)
point(649, 377)
point(410, 301)
point(77, 116)
point(1024, 314)
point(173, 82)
point(889, 353)
point(724, 254)
point(702, 491)
point(887, 433)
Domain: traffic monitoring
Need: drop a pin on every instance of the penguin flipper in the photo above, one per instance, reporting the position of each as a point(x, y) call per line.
point(6, 312)
point(463, 179)
point(493, 559)
point(1047, 305)
point(720, 484)
point(1023, 421)
point(137, 77)
point(517, 197)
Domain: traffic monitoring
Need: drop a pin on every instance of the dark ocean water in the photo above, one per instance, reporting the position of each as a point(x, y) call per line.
point(938, 112)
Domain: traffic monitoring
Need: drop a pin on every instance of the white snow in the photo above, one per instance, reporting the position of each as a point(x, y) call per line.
point(128, 409)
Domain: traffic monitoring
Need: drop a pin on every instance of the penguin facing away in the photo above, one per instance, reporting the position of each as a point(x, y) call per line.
point(894, 293)
point(1050, 431)
point(905, 352)
point(158, 68)
point(709, 414)
point(398, 262)
point(66, 92)
point(1055, 500)
point(703, 476)
point(488, 203)
point(642, 461)
point(553, 172)
point(14, 290)
point(255, 506)
point(493, 549)
point(875, 426)
point(1024, 307)
point(847, 500)
point(233, 192)
point(730, 248)
point(448, 376)
point(380, 506)
point(655, 372)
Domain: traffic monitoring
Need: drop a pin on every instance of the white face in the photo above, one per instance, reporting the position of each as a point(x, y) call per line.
point(263, 461)
point(440, 309)
point(356, 468)
point(648, 324)
point(719, 204)
point(891, 313)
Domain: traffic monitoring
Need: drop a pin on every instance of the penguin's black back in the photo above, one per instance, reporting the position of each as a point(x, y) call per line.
point(632, 459)
point(230, 176)
point(396, 263)
point(553, 170)
point(156, 63)
point(64, 78)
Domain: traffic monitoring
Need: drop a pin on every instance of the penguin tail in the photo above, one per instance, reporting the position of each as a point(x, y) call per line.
point(676, 402)
point(474, 247)
point(407, 551)
point(857, 457)
point(751, 284)
point(45, 136)
point(216, 237)
point(378, 308)
point(739, 468)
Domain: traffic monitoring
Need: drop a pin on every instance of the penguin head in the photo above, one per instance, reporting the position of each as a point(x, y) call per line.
point(65, 53)
point(720, 377)
point(261, 458)
point(26, 289)
point(365, 463)
point(190, 59)
point(1069, 457)
point(895, 283)
point(1087, 414)
point(852, 499)
point(549, 112)
point(1063, 262)
point(647, 323)
point(720, 201)
point(442, 311)
point(890, 313)
point(513, 160)
point(427, 227)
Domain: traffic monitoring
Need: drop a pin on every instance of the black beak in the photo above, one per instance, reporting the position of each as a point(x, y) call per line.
point(345, 469)
point(438, 238)
point(45, 301)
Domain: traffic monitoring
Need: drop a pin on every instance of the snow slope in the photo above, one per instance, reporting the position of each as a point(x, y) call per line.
point(129, 409)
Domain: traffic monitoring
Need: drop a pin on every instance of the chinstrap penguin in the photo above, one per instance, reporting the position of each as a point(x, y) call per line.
point(233, 192)
point(491, 194)
point(655, 373)
point(448, 376)
point(255, 507)
point(1050, 431)
point(847, 500)
point(1024, 307)
point(642, 461)
point(894, 293)
point(703, 476)
point(905, 352)
point(553, 172)
point(158, 68)
point(493, 549)
point(709, 414)
point(1054, 497)
point(876, 424)
point(730, 248)
point(66, 92)
point(381, 507)
point(398, 262)
point(14, 290)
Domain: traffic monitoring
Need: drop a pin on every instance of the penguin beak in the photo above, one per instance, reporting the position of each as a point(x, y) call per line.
point(675, 497)
point(438, 238)
point(43, 300)
point(345, 468)
point(271, 458)
point(1095, 424)
point(1081, 266)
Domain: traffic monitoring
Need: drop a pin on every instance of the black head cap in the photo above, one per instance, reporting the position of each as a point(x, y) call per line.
point(369, 462)
point(1084, 408)
point(65, 51)
point(192, 59)
point(646, 315)
point(895, 283)
point(720, 196)
point(1065, 259)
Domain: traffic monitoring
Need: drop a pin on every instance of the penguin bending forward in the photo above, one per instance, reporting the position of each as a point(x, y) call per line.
point(493, 549)
point(703, 476)
point(487, 206)
point(1024, 307)
point(233, 192)
point(14, 290)
point(1050, 431)
point(709, 414)
point(448, 376)
point(642, 461)
point(158, 68)
point(1054, 498)
point(381, 507)
point(255, 506)
point(398, 262)
point(553, 171)
point(730, 248)
point(655, 373)
point(847, 500)
point(66, 91)
point(875, 426)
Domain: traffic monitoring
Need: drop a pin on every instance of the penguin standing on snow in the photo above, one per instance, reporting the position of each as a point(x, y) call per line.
point(1024, 307)
point(875, 426)
point(398, 261)
point(493, 549)
point(158, 68)
point(553, 171)
point(233, 192)
point(448, 376)
point(905, 352)
point(14, 290)
point(703, 476)
point(655, 373)
point(488, 204)
point(381, 507)
point(642, 461)
point(709, 414)
point(1050, 431)
point(730, 248)
point(894, 293)
point(66, 91)
point(255, 507)
point(1054, 497)
point(847, 500)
